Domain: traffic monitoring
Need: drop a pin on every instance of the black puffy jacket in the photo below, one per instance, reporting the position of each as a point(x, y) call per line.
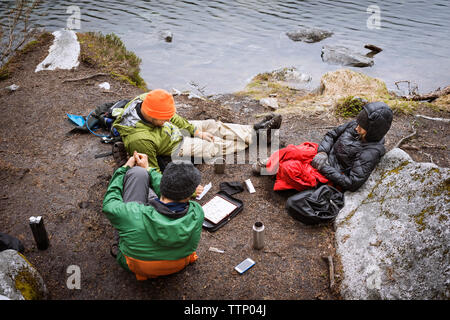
point(351, 160)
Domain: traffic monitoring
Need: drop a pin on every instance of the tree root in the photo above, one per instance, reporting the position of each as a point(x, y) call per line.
point(86, 78)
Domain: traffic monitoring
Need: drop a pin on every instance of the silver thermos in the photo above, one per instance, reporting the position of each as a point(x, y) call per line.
point(258, 235)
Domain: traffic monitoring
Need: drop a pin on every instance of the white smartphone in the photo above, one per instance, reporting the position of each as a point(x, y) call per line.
point(244, 265)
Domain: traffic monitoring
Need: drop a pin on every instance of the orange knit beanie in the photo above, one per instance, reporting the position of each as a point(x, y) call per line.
point(158, 104)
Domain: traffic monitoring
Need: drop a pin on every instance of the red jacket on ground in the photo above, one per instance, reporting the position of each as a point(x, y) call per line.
point(293, 167)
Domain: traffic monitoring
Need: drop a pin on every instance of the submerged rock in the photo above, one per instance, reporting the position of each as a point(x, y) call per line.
point(166, 35)
point(309, 35)
point(63, 53)
point(393, 233)
point(344, 56)
point(19, 280)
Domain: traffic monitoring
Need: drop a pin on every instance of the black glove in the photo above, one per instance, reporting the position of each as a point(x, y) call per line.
point(320, 160)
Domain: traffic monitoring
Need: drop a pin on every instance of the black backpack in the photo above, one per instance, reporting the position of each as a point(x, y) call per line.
point(100, 117)
point(316, 206)
point(10, 242)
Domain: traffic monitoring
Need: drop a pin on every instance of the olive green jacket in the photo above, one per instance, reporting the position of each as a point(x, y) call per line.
point(146, 138)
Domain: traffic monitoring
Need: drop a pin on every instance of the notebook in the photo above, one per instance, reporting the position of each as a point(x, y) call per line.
point(218, 208)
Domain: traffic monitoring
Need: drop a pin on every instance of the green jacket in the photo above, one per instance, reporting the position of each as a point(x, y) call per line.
point(145, 233)
point(143, 137)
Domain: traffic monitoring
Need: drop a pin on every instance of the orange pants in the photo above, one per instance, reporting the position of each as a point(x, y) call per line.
point(153, 269)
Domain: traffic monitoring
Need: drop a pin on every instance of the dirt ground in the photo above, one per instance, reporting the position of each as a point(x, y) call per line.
point(46, 171)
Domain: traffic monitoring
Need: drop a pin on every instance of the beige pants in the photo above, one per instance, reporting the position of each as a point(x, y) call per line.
point(228, 138)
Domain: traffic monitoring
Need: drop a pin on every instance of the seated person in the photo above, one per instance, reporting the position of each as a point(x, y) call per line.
point(149, 124)
point(346, 156)
point(159, 227)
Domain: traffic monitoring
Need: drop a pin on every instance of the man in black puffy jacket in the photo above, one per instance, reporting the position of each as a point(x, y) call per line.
point(348, 154)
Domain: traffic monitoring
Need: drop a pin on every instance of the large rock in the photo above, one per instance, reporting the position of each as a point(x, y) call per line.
point(19, 280)
point(309, 35)
point(344, 56)
point(289, 77)
point(344, 82)
point(393, 234)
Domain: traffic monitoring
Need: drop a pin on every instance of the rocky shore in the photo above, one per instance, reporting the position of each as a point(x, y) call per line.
point(47, 171)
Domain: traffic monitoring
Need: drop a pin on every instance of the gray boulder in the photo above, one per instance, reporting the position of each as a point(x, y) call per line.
point(19, 280)
point(344, 56)
point(393, 234)
point(290, 77)
point(309, 35)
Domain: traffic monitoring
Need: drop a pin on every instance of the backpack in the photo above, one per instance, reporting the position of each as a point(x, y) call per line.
point(101, 117)
point(10, 242)
point(316, 206)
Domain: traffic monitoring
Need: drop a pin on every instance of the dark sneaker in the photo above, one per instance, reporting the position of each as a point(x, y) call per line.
point(119, 153)
point(266, 126)
point(272, 121)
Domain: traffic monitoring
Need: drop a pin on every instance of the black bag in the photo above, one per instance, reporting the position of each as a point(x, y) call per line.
point(316, 205)
point(231, 187)
point(101, 117)
point(9, 242)
point(103, 112)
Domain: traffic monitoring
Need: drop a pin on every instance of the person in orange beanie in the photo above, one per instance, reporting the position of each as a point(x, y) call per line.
point(150, 125)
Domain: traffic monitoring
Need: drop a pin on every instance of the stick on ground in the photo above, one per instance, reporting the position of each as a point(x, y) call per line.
point(329, 260)
point(86, 78)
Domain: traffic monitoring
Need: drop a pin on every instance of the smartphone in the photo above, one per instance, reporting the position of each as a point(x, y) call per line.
point(244, 265)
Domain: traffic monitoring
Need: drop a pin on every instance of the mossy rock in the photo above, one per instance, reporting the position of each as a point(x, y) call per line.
point(109, 53)
point(390, 234)
point(19, 280)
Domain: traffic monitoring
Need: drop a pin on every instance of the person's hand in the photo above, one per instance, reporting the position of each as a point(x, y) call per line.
point(141, 159)
point(319, 160)
point(131, 162)
point(199, 190)
point(205, 136)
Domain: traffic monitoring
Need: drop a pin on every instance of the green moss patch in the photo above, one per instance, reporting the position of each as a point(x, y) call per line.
point(8, 68)
point(420, 218)
point(109, 53)
point(27, 284)
point(349, 107)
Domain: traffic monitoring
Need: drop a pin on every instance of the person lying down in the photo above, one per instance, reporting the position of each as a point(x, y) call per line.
point(345, 157)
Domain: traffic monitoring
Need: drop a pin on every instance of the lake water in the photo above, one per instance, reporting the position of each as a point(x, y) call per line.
point(221, 45)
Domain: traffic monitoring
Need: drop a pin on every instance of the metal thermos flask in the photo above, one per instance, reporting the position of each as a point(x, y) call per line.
point(258, 235)
point(39, 232)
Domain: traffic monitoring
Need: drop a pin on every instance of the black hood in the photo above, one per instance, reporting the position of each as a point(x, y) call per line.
point(379, 120)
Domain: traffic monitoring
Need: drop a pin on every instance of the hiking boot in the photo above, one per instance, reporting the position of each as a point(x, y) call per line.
point(272, 121)
point(119, 153)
